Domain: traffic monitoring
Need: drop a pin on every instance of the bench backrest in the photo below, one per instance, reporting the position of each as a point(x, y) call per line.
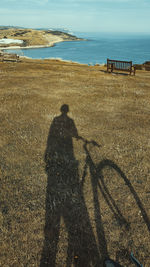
point(10, 56)
point(120, 65)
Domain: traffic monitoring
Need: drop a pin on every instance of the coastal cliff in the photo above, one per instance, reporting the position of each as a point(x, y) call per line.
point(34, 38)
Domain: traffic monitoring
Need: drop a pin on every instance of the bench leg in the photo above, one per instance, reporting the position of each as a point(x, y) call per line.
point(111, 67)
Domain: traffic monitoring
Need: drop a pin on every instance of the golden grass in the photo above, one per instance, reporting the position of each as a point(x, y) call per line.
point(113, 110)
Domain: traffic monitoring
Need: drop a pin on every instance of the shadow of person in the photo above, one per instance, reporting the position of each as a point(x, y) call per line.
point(64, 199)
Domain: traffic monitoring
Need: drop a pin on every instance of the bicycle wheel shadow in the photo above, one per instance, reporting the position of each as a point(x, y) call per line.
point(64, 199)
point(98, 183)
point(112, 165)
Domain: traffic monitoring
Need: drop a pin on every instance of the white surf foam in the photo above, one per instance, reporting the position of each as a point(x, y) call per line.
point(10, 41)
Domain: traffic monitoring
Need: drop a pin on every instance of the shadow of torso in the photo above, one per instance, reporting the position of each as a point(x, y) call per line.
point(59, 144)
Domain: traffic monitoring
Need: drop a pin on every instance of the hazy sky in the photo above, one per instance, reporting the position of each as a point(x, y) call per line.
point(78, 15)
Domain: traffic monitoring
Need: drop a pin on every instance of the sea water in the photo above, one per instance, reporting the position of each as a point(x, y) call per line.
point(96, 48)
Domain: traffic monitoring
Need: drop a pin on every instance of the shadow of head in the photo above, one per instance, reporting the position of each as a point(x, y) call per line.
point(64, 109)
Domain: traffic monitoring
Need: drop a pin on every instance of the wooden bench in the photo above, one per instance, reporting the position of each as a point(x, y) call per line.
point(10, 57)
point(120, 65)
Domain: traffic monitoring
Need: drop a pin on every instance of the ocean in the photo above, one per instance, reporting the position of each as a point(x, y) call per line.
point(96, 49)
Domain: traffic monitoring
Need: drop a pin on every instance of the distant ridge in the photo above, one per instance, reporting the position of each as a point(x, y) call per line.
point(33, 38)
point(5, 27)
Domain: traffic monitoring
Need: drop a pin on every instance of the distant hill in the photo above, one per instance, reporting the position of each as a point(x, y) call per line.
point(35, 37)
point(5, 27)
point(2, 27)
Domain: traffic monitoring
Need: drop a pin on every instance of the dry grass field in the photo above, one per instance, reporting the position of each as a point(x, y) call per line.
point(106, 212)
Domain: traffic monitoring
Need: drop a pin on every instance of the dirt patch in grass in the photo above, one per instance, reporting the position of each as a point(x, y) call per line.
point(98, 206)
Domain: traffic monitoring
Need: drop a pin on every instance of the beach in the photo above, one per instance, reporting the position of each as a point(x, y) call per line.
point(110, 109)
point(51, 42)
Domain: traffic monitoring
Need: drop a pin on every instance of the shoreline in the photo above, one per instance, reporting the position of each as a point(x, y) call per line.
point(51, 44)
point(31, 46)
point(63, 60)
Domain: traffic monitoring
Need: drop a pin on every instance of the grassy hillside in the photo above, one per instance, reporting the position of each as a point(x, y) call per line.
point(36, 37)
point(109, 214)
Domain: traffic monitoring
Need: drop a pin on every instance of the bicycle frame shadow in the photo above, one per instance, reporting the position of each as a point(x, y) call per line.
point(97, 182)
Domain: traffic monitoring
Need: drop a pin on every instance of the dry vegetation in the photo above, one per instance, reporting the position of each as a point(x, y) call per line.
point(113, 110)
point(35, 37)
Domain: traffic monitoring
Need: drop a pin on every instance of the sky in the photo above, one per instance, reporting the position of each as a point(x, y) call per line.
point(78, 15)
